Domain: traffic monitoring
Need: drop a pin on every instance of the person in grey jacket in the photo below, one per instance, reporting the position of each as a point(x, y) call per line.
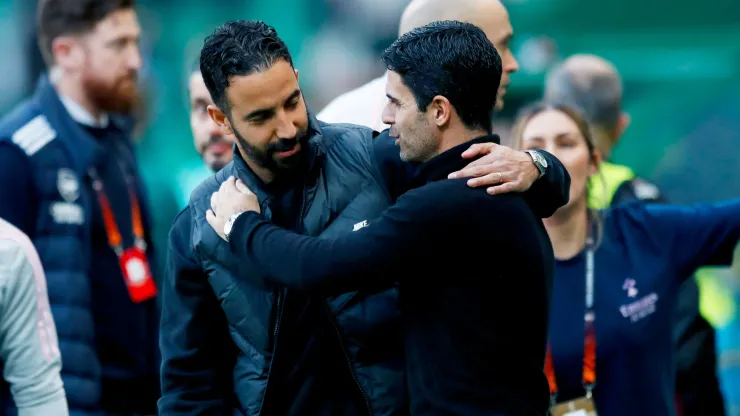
point(29, 351)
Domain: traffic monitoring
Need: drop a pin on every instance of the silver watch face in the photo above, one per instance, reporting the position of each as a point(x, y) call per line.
point(539, 161)
point(542, 160)
point(228, 225)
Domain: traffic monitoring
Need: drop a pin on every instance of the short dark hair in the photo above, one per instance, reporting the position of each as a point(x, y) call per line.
point(452, 59)
point(597, 95)
point(238, 48)
point(55, 18)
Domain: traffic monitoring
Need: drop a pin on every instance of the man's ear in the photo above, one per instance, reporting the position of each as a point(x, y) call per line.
point(220, 119)
point(622, 124)
point(67, 52)
point(441, 110)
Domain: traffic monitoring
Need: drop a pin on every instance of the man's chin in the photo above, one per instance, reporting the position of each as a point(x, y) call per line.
point(291, 164)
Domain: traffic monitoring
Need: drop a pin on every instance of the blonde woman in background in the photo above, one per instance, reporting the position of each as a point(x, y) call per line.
point(617, 277)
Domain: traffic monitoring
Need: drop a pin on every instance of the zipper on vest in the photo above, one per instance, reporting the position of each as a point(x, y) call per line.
point(279, 306)
point(278, 315)
point(333, 323)
point(346, 356)
point(304, 196)
point(303, 207)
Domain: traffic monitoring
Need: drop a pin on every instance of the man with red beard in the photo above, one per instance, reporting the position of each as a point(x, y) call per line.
point(69, 180)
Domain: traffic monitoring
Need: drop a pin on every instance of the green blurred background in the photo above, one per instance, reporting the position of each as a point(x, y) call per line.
point(680, 61)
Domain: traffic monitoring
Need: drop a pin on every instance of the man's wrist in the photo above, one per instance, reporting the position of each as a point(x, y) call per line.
point(243, 225)
point(539, 161)
point(229, 225)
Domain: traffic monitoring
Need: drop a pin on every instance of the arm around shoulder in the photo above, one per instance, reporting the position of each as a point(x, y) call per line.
point(368, 256)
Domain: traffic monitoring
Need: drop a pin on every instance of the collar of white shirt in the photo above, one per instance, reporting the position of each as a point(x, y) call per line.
point(82, 116)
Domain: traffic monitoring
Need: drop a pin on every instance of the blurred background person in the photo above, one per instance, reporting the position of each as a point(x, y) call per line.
point(215, 147)
point(364, 105)
point(617, 278)
point(29, 350)
point(594, 86)
point(69, 179)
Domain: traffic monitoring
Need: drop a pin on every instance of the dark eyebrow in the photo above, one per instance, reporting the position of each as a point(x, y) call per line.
point(296, 94)
point(393, 99)
point(259, 113)
point(564, 135)
point(122, 39)
point(535, 139)
point(557, 137)
point(268, 112)
point(200, 102)
point(507, 39)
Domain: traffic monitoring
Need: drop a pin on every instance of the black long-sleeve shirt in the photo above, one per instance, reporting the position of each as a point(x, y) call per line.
point(475, 274)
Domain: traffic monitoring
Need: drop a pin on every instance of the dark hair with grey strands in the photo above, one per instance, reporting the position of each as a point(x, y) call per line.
point(239, 48)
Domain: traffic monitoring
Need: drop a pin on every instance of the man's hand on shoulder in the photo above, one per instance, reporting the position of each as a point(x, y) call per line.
point(232, 198)
point(500, 168)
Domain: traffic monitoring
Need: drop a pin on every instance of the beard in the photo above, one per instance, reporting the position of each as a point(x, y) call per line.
point(265, 158)
point(119, 96)
point(417, 143)
point(219, 160)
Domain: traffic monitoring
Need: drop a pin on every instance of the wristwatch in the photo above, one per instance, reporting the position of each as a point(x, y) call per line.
point(539, 161)
point(230, 224)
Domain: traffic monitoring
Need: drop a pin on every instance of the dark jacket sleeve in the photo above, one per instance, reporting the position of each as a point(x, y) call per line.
point(197, 353)
point(546, 195)
point(551, 191)
point(362, 259)
point(697, 235)
point(16, 185)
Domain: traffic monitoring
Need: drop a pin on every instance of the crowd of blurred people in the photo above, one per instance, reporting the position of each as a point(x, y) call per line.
point(600, 264)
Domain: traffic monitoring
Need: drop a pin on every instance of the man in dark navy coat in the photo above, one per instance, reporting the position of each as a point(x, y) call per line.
point(68, 179)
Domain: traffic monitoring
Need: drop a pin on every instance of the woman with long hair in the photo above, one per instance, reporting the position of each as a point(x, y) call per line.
point(616, 280)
